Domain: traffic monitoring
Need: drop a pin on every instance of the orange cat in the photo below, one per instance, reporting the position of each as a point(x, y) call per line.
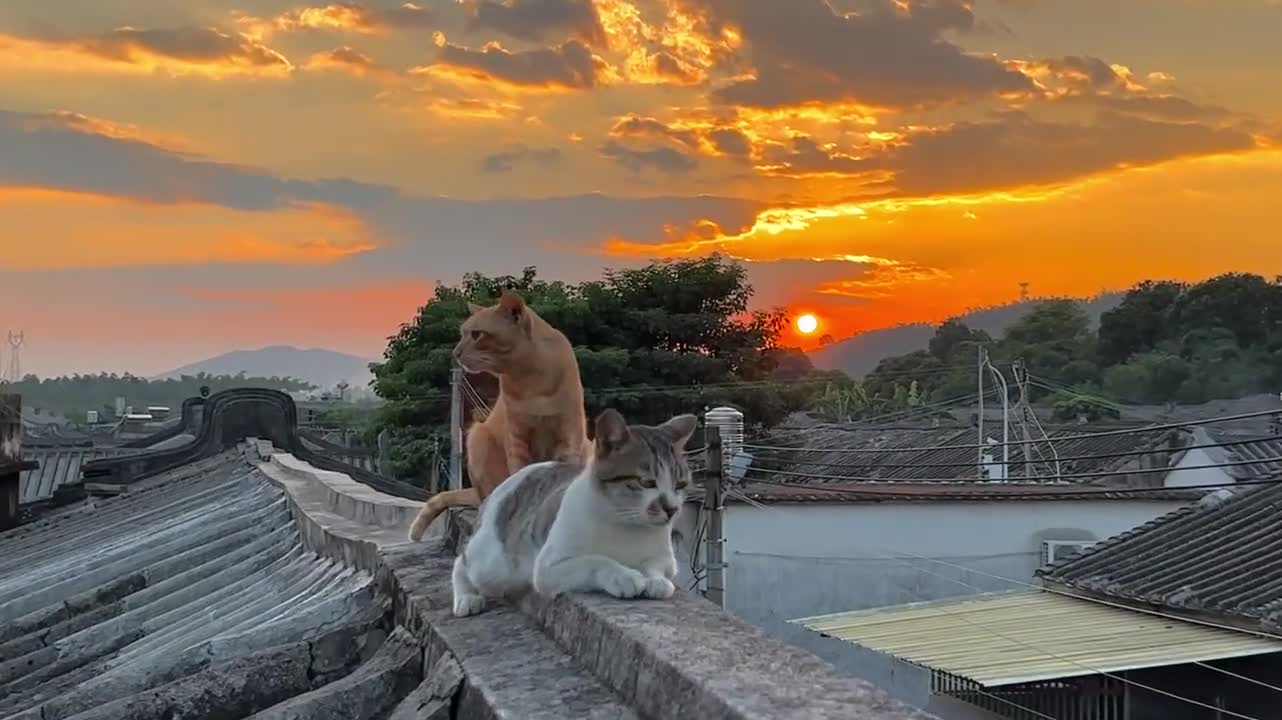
point(539, 414)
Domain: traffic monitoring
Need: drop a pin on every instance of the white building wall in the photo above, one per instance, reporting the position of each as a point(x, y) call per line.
point(1180, 476)
point(796, 560)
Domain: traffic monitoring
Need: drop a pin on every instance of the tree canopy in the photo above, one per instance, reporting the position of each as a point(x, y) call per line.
point(1166, 342)
point(72, 395)
point(669, 337)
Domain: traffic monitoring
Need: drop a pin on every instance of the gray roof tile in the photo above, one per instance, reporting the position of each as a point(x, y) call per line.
point(196, 579)
point(1217, 557)
point(58, 467)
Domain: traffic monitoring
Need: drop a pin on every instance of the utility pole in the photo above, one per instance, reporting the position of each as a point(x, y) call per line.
point(433, 478)
point(456, 428)
point(1001, 383)
point(983, 360)
point(713, 504)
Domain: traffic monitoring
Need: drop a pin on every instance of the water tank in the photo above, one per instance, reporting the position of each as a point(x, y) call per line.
point(730, 422)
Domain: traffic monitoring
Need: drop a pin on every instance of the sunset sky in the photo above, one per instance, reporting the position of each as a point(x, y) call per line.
point(182, 179)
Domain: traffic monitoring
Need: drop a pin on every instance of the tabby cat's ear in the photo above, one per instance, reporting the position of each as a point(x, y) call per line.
point(679, 429)
point(473, 308)
point(611, 432)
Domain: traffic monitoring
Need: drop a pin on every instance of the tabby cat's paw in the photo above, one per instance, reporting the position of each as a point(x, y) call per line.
point(659, 588)
point(625, 585)
point(465, 605)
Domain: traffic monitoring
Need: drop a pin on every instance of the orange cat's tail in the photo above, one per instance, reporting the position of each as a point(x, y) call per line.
point(437, 504)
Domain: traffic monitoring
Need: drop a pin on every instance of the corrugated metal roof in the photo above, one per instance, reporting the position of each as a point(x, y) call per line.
point(1012, 638)
point(58, 467)
point(1218, 557)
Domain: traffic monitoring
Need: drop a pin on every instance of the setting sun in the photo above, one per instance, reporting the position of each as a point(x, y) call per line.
point(807, 324)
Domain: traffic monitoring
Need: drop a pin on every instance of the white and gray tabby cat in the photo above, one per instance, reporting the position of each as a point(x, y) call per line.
point(606, 526)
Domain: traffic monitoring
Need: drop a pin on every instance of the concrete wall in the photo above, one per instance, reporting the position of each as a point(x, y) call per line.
point(790, 561)
point(1181, 477)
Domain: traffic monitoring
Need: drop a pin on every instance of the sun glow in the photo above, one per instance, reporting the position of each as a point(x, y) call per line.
point(807, 324)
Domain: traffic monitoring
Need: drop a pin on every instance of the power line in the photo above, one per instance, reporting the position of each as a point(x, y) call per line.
point(1074, 493)
point(1095, 670)
point(1058, 591)
point(1063, 458)
point(1060, 439)
point(1088, 599)
point(699, 387)
point(927, 409)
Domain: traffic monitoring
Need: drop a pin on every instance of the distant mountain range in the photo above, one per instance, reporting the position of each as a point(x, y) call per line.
point(320, 367)
point(859, 354)
point(856, 355)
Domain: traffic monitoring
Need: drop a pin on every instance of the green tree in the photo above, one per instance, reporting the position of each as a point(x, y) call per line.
point(1140, 322)
point(1055, 341)
point(1241, 303)
point(669, 337)
point(72, 395)
point(953, 340)
point(843, 400)
point(899, 371)
point(1071, 407)
point(1151, 377)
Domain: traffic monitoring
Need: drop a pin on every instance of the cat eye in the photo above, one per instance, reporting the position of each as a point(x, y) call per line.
point(635, 482)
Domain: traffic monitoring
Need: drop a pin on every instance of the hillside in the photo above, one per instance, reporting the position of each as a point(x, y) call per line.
point(320, 367)
point(859, 354)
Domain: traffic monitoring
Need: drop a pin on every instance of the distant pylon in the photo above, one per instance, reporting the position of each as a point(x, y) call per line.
point(14, 372)
point(1023, 291)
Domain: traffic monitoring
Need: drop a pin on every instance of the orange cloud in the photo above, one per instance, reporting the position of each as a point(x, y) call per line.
point(343, 16)
point(62, 230)
point(348, 60)
point(923, 259)
point(674, 51)
point(207, 52)
point(569, 66)
point(65, 119)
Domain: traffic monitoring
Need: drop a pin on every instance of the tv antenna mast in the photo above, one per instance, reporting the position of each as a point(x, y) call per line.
point(14, 371)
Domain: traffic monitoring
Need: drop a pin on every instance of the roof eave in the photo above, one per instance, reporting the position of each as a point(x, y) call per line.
point(1244, 623)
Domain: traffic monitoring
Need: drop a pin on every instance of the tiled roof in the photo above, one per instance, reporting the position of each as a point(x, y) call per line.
point(195, 580)
point(58, 467)
point(1218, 557)
point(825, 451)
point(1261, 447)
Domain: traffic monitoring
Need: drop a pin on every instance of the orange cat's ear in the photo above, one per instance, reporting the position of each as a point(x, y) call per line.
point(611, 431)
point(512, 304)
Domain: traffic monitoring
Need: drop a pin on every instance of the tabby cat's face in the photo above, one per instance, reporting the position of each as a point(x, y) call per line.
point(642, 470)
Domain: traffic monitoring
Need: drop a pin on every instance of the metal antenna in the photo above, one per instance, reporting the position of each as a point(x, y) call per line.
point(14, 371)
